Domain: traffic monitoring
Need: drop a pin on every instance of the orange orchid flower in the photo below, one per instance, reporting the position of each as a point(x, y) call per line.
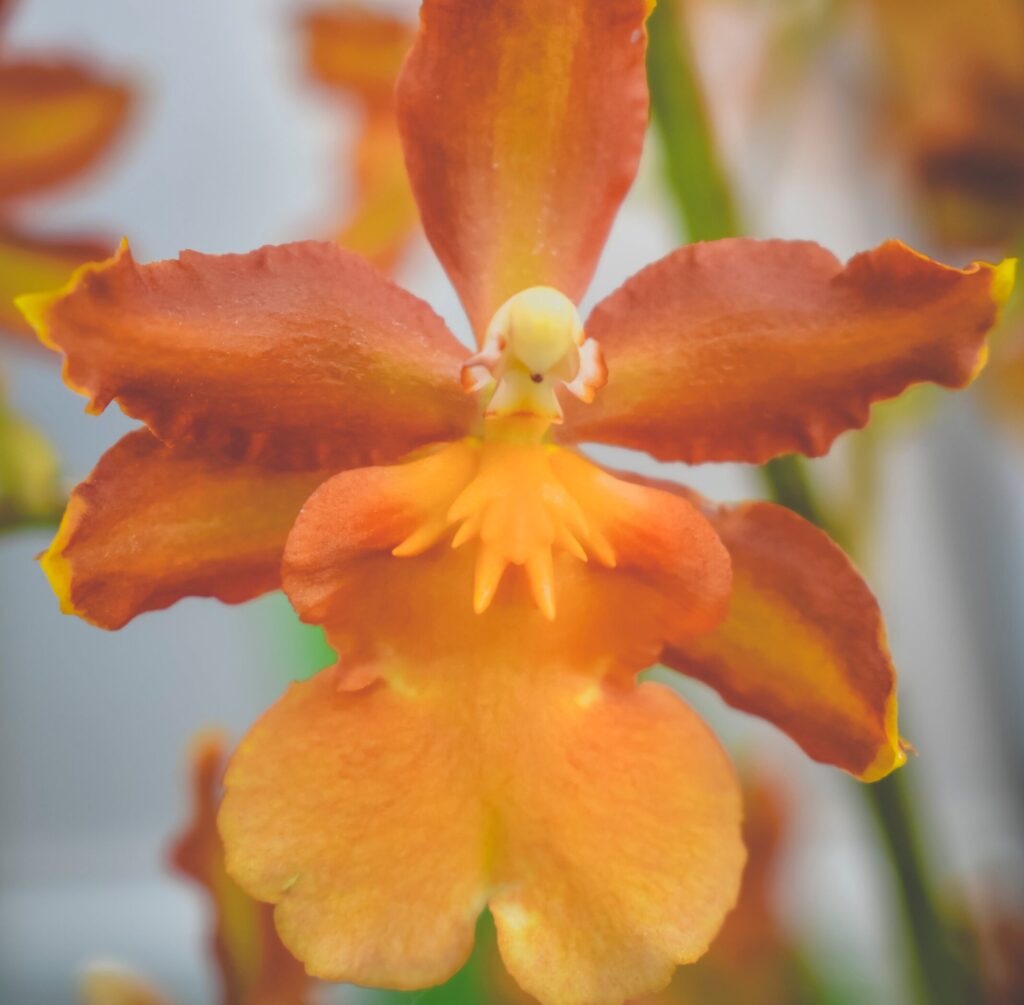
point(358, 53)
point(483, 740)
point(253, 968)
point(56, 119)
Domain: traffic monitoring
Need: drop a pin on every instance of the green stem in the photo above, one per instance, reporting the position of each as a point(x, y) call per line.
point(707, 212)
point(693, 171)
point(942, 972)
point(788, 483)
point(11, 522)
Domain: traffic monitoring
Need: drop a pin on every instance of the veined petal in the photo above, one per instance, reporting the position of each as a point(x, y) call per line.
point(600, 823)
point(803, 644)
point(357, 50)
point(499, 541)
point(298, 355)
point(55, 119)
point(740, 350)
point(153, 524)
point(253, 967)
point(34, 264)
point(522, 124)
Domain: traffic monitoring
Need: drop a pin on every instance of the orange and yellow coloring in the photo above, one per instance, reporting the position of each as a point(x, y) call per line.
point(251, 965)
point(493, 595)
point(57, 118)
point(357, 54)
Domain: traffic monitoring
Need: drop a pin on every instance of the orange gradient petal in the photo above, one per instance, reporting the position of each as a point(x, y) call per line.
point(34, 264)
point(297, 355)
point(55, 120)
point(252, 965)
point(476, 542)
point(356, 50)
point(152, 525)
point(740, 350)
point(803, 644)
point(383, 218)
point(358, 54)
point(522, 122)
point(601, 824)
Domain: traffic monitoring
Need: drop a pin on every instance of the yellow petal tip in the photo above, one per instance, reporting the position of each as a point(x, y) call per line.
point(1004, 275)
point(56, 567)
point(35, 306)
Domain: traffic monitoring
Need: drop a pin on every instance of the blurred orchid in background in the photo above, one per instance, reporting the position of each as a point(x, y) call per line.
point(251, 965)
point(57, 119)
point(357, 53)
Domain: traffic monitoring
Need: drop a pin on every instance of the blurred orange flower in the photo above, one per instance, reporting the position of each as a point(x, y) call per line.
point(494, 594)
point(952, 76)
point(358, 53)
point(252, 966)
point(57, 118)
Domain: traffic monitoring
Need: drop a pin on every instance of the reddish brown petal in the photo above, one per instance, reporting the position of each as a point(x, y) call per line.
point(740, 350)
point(55, 119)
point(33, 264)
point(298, 355)
point(803, 644)
point(522, 122)
point(152, 524)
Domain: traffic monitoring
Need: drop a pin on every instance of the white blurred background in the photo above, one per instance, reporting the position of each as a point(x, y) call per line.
point(231, 148)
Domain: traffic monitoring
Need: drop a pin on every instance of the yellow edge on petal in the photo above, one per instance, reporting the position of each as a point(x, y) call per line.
point(35, 306)
point(894, 754)
point(1004, 275)
point(56, 567)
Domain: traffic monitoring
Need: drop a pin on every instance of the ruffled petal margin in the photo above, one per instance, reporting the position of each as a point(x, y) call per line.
point(34, 265)
point(803, 644)
point(296, 355)
point(741, 350)
point(601, 825)
point(152, 525)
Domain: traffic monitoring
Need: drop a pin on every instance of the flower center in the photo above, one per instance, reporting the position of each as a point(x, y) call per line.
point(518, 504)
point(534, 344)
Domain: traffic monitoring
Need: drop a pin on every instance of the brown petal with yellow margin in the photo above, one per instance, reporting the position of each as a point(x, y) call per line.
point(803, 643)
point(741, 350)
point(298, 355)
point(35, 264)
point(153, 524)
